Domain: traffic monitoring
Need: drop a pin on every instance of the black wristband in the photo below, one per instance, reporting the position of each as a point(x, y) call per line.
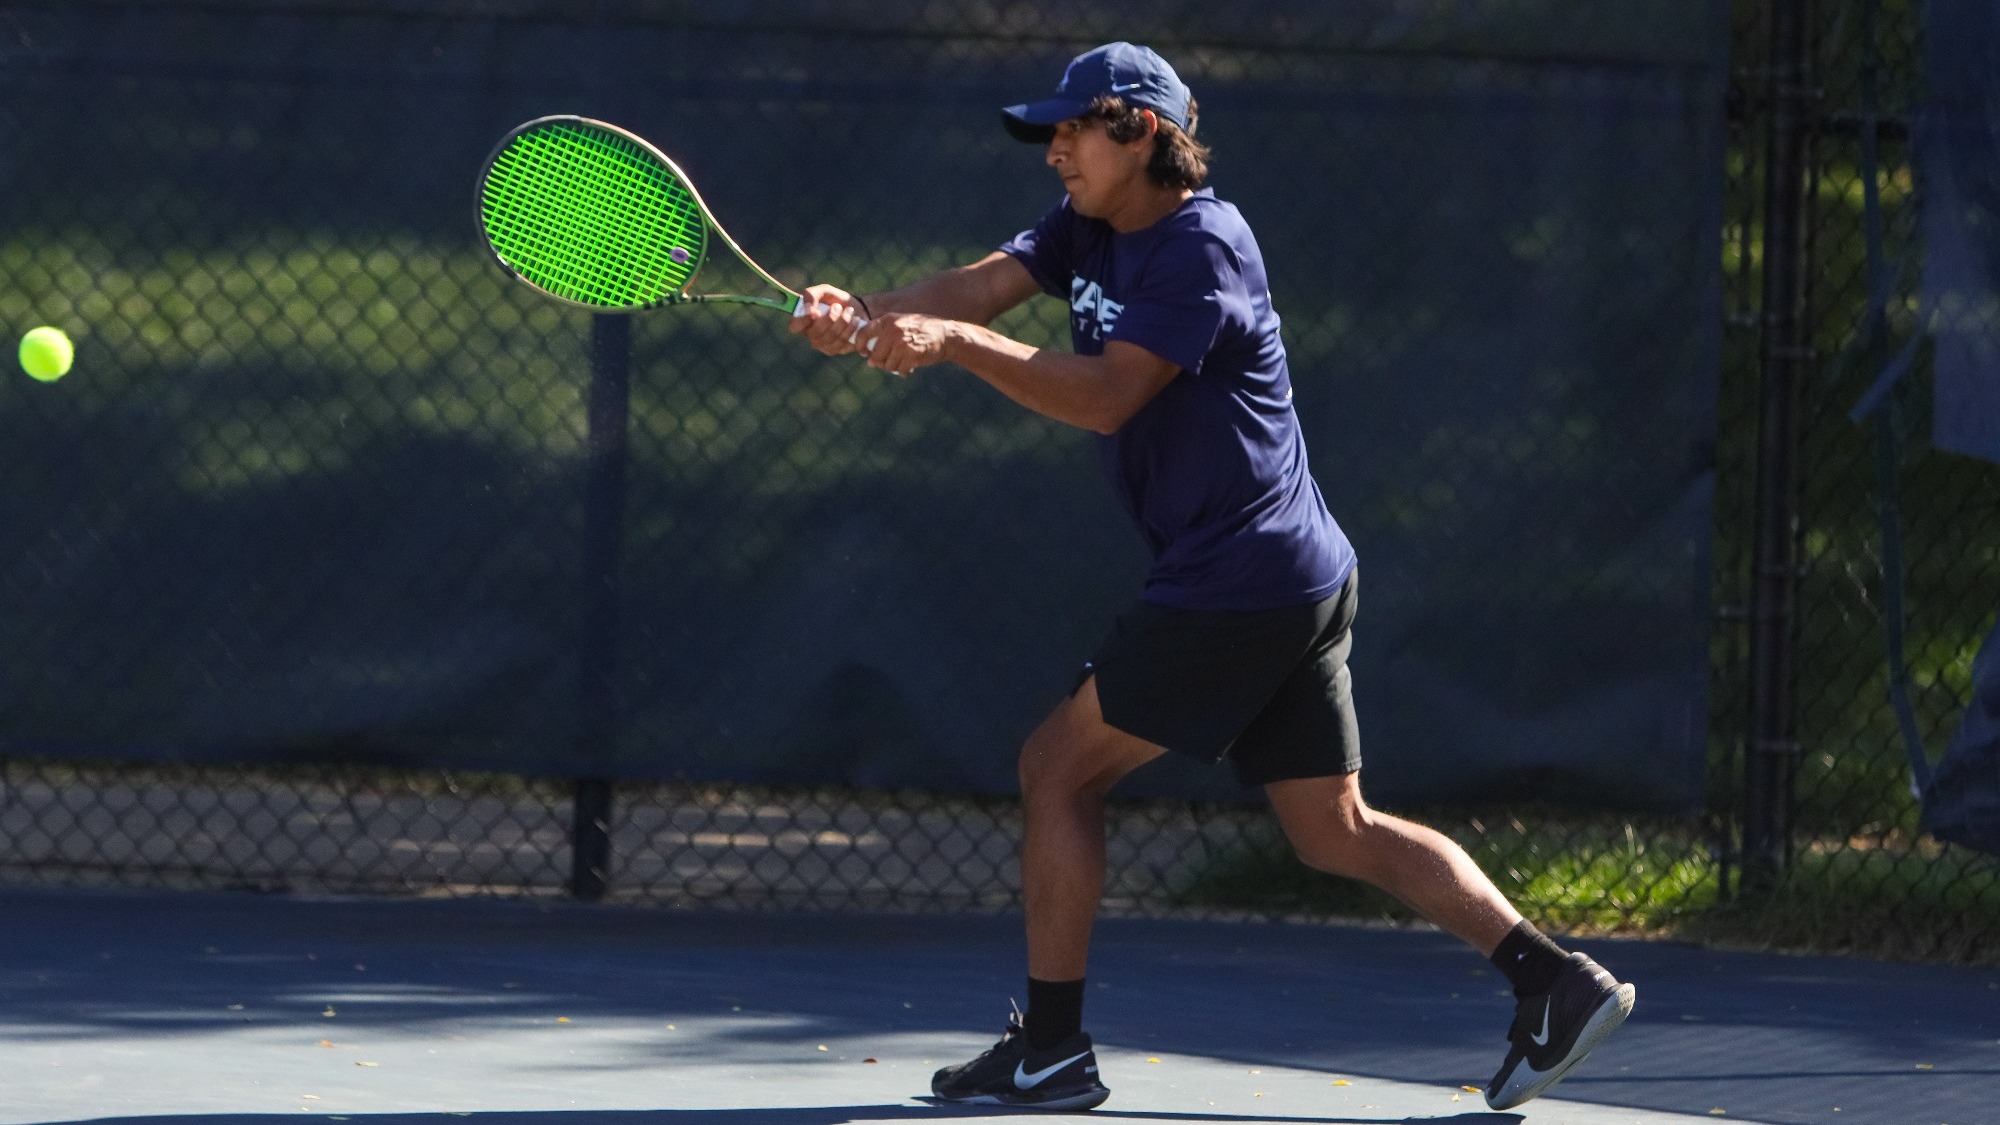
point(864, 306)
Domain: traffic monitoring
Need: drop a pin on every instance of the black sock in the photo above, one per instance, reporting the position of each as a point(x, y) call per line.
point(1055, 1011)
point(1530, 961)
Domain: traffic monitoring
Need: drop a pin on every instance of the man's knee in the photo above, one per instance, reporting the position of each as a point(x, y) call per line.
point(1335, 855)
point(1055, 760)
point(1330, 832)
point(1073, 752)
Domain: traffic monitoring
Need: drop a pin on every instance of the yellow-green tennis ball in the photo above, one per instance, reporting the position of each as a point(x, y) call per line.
point(46, 354)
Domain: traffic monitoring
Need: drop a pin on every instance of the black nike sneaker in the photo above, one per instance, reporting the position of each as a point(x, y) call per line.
point(1012, 1073)
point(1553, 1030)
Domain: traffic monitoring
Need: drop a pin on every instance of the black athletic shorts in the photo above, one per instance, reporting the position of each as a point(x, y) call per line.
point(1267, 689)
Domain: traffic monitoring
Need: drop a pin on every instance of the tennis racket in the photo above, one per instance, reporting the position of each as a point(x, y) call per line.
point(594, 216)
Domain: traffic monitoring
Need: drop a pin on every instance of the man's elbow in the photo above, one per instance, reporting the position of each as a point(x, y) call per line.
point(1109, 419)
point(1123, 390)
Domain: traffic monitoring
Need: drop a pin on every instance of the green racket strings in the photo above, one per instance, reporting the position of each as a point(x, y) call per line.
point(591, 217)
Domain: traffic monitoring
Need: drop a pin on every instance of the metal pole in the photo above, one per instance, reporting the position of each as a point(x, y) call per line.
point(597, 657)
point(1772, 754)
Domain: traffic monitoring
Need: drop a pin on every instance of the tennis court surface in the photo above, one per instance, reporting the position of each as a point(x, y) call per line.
point(243, 1009)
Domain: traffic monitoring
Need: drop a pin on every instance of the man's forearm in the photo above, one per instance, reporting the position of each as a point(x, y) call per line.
point(1068, 388)
point(953, 294)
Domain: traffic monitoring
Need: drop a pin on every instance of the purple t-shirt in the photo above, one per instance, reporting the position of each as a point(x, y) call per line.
point(1213, 469)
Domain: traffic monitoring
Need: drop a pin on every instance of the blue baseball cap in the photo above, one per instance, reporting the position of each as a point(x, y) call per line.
point(1122, 70)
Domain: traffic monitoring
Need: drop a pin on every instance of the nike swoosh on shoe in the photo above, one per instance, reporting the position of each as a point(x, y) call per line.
point(1025, 1079)
point(1542, 1040)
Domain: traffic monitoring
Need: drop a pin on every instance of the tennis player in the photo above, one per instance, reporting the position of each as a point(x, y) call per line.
point(1237, 648)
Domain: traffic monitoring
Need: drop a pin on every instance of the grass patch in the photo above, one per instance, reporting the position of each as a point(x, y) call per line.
point(1575, 872)
point(1898, 899)
point(1580, 873)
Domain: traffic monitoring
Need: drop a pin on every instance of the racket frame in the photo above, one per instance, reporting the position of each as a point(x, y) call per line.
point(790, 303)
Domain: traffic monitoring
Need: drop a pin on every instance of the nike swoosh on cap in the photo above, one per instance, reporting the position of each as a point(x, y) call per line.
point(1024, 1079)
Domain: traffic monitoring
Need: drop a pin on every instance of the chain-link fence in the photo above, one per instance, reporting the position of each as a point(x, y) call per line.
point(326, 416)
point(1894, 538)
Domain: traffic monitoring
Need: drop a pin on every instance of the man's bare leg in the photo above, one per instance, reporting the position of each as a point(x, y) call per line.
point(1565, 1003)
point(1067, 766)
point(1333, 830)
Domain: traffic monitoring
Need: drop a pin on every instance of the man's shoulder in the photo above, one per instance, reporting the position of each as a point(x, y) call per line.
point(1203, 222)
point(1205, 210)
point(1204, 218)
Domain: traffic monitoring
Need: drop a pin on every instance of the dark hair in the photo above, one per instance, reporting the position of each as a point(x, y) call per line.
point(1179, 161)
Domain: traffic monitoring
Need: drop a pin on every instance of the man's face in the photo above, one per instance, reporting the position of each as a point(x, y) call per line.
point(1100, 174)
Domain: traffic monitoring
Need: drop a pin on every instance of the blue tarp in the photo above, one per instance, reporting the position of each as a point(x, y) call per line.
point(1958, 153)
point(1962, 794)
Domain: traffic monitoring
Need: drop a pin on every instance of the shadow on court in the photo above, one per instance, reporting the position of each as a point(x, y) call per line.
point(238, 1008)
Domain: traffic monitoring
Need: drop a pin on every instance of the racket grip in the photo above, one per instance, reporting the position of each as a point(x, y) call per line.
point(800, 310)
point(800, 306)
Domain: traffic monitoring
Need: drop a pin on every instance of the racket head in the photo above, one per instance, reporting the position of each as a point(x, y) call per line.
point(591, 215)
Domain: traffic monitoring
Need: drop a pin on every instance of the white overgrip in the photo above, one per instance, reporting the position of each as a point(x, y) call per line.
point(799, 309)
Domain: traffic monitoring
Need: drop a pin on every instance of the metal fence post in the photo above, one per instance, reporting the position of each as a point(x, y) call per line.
point(597, 657)
point(1772, 754)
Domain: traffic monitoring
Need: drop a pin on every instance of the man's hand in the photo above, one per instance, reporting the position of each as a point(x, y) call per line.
point(903, 342)
point(827, 319)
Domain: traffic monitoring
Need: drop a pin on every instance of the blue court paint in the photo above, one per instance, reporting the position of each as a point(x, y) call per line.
point(240, 1009)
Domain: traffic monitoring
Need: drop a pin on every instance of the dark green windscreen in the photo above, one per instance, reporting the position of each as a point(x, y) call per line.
point(317, 489)
point(590, 216)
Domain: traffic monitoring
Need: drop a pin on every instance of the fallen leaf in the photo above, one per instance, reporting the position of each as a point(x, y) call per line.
point(1152, 1059)
point(1470, 1089)
point(1925, 1066)
point(326, 1042)
point(329, 1013)
point(1342, 1082)
point(868, 1060)
point(822, 1046)
point(562, 1019)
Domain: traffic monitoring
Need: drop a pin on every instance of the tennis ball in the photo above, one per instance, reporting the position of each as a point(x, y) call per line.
point(46, 354)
